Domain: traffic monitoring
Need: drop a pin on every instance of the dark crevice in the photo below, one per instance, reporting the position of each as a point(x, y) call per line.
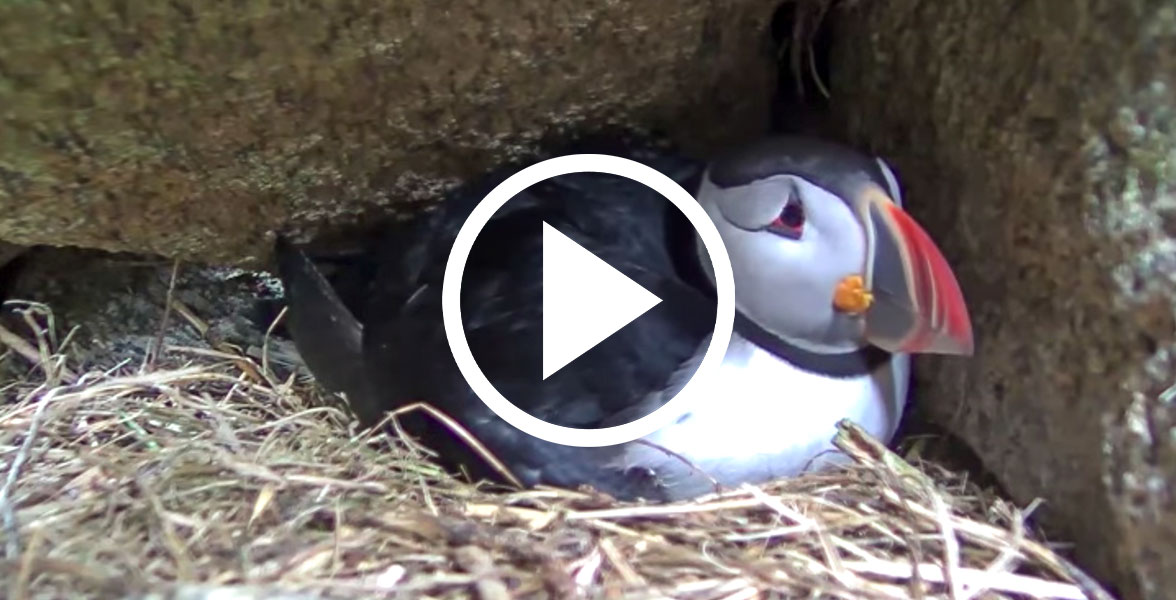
point(10, 271)
point(803, 38)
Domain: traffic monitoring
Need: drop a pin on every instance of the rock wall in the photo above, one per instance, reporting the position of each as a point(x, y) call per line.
point(1038, 142)
point(191, 130)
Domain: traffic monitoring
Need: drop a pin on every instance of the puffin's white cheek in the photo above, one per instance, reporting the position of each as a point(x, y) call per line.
point(839, 256)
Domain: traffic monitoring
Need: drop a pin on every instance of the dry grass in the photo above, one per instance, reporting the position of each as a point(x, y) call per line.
point(203, 476)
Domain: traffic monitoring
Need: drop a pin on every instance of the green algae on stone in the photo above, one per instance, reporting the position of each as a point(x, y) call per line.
point(195, 130)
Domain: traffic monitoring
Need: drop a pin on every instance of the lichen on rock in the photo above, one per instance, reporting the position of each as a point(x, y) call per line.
point(1037, 143)
point(190, 131)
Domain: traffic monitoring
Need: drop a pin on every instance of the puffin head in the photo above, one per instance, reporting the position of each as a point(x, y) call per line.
point(824, 257)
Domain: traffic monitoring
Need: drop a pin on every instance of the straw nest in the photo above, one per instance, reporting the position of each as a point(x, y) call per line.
point(200, 474)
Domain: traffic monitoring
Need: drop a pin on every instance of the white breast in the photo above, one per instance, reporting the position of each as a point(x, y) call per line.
point(764, 419)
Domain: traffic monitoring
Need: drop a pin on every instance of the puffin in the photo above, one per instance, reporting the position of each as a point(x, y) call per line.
point(836, 286)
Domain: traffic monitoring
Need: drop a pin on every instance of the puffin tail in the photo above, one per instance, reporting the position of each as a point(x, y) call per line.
point(327, 335)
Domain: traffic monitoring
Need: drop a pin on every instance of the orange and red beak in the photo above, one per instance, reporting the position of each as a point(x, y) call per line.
point(914, 302)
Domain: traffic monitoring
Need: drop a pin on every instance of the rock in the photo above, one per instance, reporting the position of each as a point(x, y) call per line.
point(1037, 142)
point(193, 132)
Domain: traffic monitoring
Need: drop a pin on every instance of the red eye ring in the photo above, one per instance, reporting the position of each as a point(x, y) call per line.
point(790, 222)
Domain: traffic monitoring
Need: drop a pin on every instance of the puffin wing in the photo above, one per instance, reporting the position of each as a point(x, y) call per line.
point(408, 358)
point(619, 221)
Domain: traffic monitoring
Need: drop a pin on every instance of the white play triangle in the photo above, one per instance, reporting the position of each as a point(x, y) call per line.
point(585, 300)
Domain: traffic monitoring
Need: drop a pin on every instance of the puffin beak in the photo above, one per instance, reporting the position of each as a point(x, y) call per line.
point(913, 302)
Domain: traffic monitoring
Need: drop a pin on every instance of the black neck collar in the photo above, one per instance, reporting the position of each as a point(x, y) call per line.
point(682, 238)
point(846, 364)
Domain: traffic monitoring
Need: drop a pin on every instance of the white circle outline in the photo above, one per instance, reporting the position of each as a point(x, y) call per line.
point(481, 215)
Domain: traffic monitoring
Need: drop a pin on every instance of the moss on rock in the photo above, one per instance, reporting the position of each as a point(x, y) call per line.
point(193, 130)
point(1038, 141)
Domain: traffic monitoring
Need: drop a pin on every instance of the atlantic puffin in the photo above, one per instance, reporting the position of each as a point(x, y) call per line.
point(835, 287)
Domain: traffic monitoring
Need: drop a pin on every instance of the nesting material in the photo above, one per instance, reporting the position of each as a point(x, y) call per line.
point(200, 475)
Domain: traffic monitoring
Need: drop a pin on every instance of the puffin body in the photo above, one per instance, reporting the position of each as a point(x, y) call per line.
point(834, 287)
point(769, 419)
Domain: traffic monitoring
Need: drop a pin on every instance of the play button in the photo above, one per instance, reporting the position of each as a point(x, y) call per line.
point(585, 300)
point(586, 303)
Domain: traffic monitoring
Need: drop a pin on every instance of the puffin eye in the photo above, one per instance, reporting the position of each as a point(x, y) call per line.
point(790, 222)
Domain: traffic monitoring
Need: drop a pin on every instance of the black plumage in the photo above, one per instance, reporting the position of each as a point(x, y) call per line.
point(376, 332)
